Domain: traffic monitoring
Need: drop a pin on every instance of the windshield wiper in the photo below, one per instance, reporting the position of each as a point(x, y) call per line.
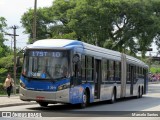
point(51, 78)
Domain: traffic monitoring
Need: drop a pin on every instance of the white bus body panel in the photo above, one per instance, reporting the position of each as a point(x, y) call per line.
point(58, 96)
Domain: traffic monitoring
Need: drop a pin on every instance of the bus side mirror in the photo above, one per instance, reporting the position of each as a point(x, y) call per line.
point(76, 58)
point(71, 81)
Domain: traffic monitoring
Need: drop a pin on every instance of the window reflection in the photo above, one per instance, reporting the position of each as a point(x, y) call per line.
point(46, 66)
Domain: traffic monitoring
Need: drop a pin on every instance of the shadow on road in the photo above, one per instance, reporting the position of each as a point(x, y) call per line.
point(123, 107)
point(119, 109)
point(125, 104)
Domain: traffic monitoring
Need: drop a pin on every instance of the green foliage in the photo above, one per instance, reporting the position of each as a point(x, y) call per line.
point(43, 22)
point(6, 66)
point(2, 90)
point(6, 62)
point(121, 25)
point(3, 73)
point(3, 48)
point(3, 70)
point(154, 70)
point(6, 54)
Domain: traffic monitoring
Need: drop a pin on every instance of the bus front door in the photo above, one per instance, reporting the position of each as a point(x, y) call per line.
point(97, 79)
point(132, 79)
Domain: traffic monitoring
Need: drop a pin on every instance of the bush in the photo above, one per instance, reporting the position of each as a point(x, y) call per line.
point(3, 73)
point(154, 70)
point(6, 66)
point(2, 90)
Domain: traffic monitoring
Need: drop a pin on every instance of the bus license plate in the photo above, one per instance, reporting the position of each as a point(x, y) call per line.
point(40, 98)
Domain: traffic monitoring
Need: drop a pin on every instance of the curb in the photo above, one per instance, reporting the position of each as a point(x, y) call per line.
point(17, 104)
point(11, 96)
point(154, 82)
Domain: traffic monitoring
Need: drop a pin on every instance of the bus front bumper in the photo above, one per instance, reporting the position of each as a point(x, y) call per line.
point(51, 97)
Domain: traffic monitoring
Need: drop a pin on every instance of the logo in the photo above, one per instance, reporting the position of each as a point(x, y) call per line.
point(21, 114)
point(6, 114)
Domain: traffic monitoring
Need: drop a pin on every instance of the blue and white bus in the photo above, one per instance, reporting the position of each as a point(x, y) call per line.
point(71, 71)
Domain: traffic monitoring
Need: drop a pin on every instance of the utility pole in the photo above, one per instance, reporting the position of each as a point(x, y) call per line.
point(11, 44)
point(14, 35)
point(34, 21)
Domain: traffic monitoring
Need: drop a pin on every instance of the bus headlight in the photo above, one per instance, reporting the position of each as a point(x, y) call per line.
point(22, 84)
point(64, 86)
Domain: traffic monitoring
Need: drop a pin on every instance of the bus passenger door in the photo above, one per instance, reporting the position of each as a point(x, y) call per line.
point(97, 78)
point(76, 78)
point(145, 80)
point(132, 79)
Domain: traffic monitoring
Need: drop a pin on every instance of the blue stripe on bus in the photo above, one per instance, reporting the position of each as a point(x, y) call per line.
point(42, 84)
point(76, 93)
point(74, 43)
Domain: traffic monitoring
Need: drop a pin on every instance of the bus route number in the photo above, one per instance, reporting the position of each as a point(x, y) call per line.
point(47, 54)
point(56, 54)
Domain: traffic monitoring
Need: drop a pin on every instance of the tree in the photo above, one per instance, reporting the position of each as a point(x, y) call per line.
point(6, 62)
point(120, 25)
point(3, 48)
point(135, 26)
point(117, 25)
point(44, 21)
point(156, 11)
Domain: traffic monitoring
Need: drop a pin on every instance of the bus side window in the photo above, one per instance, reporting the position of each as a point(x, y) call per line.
point(83, 69)
point(76, 79)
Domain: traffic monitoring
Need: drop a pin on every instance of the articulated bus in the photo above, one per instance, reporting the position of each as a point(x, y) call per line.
point(74, 72)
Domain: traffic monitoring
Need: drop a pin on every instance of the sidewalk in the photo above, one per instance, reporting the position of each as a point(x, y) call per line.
point(12, 101)
point(154, 82)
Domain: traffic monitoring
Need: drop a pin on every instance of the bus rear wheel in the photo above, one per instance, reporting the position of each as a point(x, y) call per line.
point(43, 104)
point(139, 95)
point(113, 97)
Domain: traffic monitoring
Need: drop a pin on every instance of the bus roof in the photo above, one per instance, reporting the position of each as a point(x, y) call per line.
point(71, 44)
point(55, 43)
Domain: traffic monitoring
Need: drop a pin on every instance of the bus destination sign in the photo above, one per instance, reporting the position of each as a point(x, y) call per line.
point(46, 54)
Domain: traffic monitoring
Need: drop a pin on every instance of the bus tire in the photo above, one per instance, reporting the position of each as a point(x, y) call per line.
point(113, 97)
point(84, 100)
point(43, 104)
point(139, 93)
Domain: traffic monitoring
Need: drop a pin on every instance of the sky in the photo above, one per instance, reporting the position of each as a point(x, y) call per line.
point(12, 10)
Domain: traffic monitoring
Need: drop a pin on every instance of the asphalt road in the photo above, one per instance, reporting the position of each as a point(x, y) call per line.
point(147, 107)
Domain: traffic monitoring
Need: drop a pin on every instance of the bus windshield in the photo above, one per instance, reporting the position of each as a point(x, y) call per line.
point(45, 64)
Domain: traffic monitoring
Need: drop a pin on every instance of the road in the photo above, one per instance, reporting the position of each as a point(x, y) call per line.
point(148, 106)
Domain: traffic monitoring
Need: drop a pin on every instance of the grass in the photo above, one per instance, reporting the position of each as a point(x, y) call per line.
point(3, 92)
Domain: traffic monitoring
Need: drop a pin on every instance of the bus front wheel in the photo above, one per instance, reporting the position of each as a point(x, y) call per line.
point(84, 100)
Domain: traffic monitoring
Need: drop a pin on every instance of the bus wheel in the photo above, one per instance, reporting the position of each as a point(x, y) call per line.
point(43, 104)
point(113, 98)
point(139, 93)
point(84, 100)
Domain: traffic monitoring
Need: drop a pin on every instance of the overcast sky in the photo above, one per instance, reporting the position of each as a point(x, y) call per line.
point(12, 10)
